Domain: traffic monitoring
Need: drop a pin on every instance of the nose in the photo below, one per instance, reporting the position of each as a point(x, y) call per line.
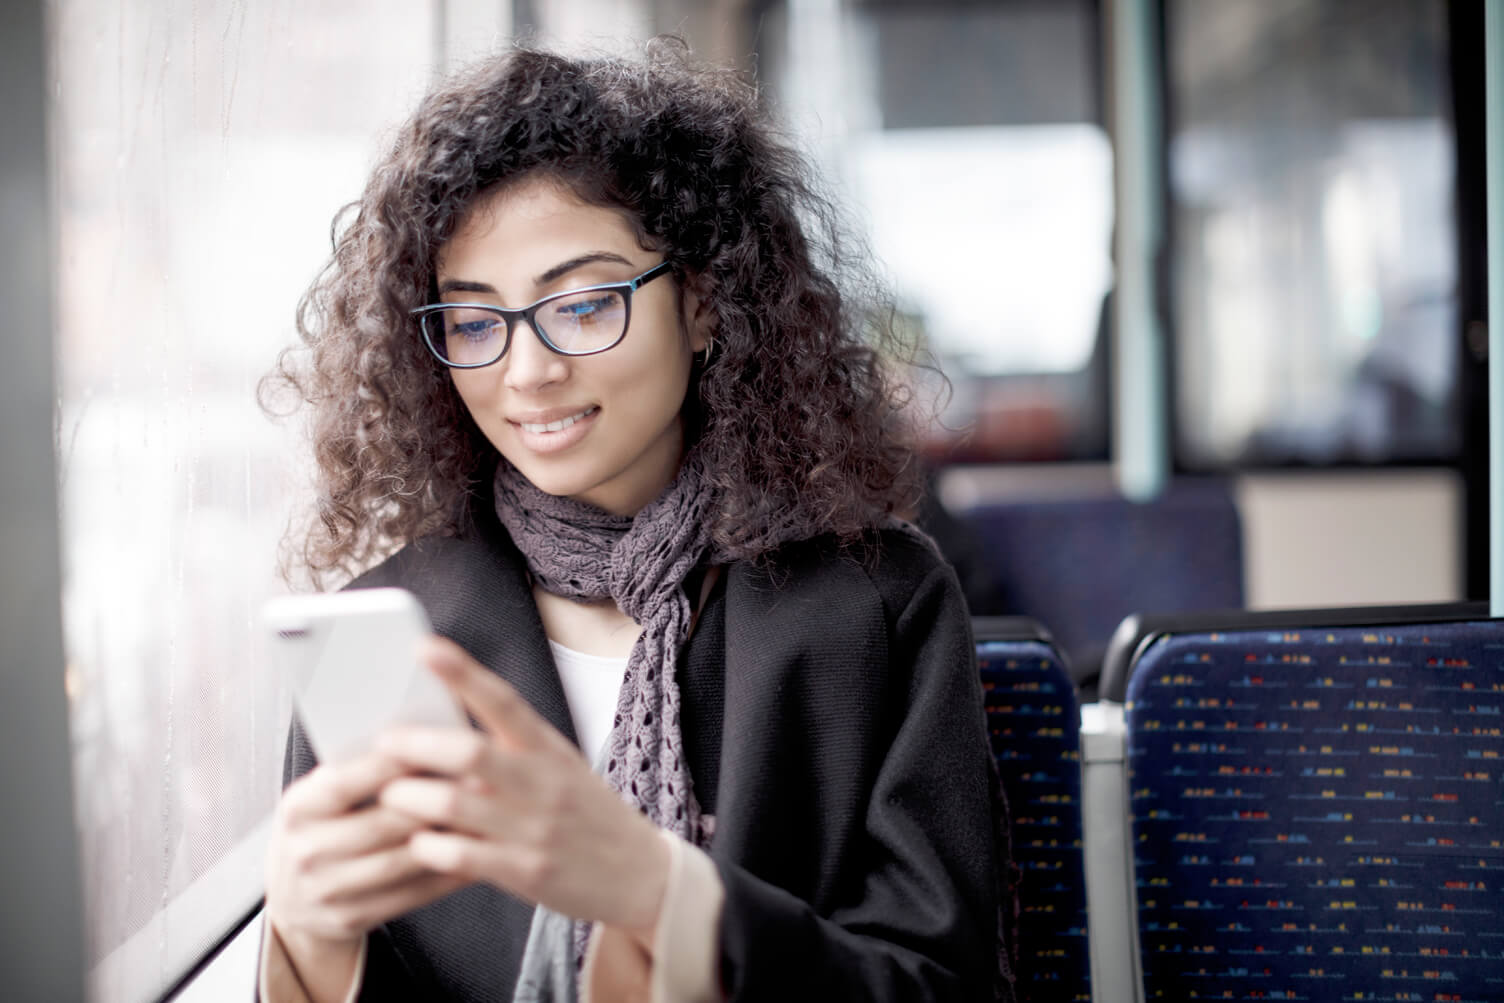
point(530, 364)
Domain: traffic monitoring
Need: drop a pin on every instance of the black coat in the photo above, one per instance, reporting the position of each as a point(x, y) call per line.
point(832, 718)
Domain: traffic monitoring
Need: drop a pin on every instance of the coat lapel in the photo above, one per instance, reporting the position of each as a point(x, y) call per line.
point(805, 662)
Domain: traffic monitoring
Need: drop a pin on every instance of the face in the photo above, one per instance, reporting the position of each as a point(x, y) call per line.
point(606, 428)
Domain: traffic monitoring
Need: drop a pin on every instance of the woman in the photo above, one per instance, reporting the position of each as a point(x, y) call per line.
point(580, 357)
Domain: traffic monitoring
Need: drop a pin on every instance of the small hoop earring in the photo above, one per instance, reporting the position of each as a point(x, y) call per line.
point(709, 347)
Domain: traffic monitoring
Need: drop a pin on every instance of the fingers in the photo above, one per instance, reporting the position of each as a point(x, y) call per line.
point(446, 751)
point(360, 832)
point(312, 856)
point(338, 898)
point(376, 908)
point(358, 877)
point(494, 703)
point(518, 868)
point(443, 803)
point(353, 915)
point(339, 861)
point(334, 788)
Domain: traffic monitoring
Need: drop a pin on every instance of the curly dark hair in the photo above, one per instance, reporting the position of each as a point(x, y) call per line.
point(800, 417)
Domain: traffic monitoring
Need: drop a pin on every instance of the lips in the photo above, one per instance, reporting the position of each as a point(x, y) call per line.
point(543, 424)
point(549, 433)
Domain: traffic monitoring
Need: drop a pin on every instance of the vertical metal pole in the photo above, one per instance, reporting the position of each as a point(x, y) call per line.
point(1493, 30)
point(1141, 454)
point(41, 915)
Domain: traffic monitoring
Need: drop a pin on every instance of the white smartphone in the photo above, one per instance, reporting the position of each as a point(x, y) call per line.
point(351, 659)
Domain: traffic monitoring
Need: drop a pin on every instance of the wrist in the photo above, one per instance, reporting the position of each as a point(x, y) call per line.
point(654, 887)
point(302, 946)
point(308, 969)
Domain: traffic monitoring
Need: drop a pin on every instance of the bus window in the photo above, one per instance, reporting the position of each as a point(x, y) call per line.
point(1312, 171)
point(196, 172)
point(969, 138)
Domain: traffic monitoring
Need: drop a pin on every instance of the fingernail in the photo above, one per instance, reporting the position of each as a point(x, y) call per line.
point(444, 666)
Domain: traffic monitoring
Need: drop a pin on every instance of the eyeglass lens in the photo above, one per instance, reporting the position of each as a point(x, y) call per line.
point(576, 324)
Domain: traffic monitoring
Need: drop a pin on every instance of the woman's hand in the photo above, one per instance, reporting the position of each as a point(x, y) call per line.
point(339, 864)
point(518, 806)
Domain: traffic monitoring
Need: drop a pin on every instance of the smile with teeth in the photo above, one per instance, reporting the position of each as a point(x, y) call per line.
point(560, 425)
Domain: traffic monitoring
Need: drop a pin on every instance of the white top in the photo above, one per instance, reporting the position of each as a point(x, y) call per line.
point(591, 686)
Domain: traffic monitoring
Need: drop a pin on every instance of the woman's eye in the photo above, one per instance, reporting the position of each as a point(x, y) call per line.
point(473, 330)
point(583, 310)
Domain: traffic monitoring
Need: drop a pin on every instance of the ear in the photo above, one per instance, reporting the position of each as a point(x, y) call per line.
point(699, 315)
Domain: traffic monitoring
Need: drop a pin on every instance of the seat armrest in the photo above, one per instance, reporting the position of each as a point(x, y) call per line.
point(1112, 926)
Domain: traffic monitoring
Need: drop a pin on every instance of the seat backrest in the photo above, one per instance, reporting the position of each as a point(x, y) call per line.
point(1034, 723)
point(1318, 813)
point(1138, 630)
point(1081, 564)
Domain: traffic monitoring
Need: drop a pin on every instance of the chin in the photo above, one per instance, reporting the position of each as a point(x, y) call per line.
point(554, 482)
point(563, 480)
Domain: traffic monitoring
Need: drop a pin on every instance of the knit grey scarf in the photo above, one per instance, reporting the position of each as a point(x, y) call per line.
point(579, 551)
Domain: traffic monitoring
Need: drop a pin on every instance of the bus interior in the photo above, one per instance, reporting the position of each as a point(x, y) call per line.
point(1217, 451)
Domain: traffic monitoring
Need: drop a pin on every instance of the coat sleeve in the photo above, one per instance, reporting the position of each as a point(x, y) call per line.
point(916, 916)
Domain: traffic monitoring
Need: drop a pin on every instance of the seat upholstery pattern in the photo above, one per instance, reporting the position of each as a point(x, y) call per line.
point(1318, 814)
point(1035, 726)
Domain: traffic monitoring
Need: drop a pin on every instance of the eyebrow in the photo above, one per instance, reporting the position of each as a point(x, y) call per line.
point(552, 275)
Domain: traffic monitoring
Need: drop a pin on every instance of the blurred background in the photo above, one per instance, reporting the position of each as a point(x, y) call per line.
point(1276, 201)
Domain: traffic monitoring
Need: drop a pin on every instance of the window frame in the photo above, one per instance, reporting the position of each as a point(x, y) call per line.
point(43, 953)
point(1465, 113)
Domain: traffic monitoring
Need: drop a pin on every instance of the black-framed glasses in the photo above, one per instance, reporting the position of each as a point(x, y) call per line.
point(577, 322)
